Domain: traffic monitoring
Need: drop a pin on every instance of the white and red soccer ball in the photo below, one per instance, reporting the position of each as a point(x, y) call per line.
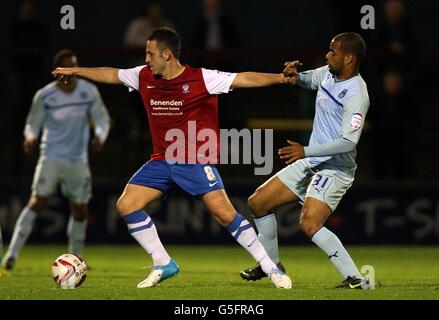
point(69, 271)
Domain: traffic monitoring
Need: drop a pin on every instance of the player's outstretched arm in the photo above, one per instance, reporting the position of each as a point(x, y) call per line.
point(257, 79)
point(104, 74)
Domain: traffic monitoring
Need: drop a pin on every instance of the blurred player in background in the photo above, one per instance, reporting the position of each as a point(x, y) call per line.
point(319, 174)
point(1, 246)
point(175, 96)
point(63, 111)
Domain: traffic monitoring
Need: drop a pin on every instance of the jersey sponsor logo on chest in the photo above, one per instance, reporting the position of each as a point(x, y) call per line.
point(154, 102)
point(166, 107)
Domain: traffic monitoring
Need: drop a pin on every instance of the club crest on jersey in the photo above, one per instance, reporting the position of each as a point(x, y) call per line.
point(343, 93)
point(185, 88)
point(356, 121)
point(84, 95)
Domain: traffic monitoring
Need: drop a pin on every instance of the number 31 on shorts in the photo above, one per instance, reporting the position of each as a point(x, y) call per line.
point(321, 182)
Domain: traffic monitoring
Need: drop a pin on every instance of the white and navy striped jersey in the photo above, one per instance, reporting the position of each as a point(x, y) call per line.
point(341, 107)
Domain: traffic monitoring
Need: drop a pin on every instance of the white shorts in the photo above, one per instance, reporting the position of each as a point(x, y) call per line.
point(74, 178)
point(324, 184)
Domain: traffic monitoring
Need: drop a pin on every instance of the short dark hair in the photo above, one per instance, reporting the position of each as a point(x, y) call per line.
point(64, 53)
point(351, 42)
point(167, 38)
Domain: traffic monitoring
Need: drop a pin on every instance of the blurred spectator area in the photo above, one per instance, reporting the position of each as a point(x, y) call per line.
point(268, 38)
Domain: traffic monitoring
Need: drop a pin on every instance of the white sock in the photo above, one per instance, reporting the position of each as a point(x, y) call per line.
point(76, 232)
point(246, 236)
point(331, 245)
point(22, 230)
point(142, 228)
point(267, 234)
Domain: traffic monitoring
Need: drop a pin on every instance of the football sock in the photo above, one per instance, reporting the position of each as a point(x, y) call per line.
point(331, 245)
point(22, 229)
point(76, 232)
point(246, 236)
point(267, 234)
point(143, 229)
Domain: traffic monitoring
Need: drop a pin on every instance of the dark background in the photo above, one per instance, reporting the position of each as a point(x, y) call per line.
point(397, 154)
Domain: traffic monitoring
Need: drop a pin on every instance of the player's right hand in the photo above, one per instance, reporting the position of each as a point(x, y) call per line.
point(293, 152)
point(29, 145)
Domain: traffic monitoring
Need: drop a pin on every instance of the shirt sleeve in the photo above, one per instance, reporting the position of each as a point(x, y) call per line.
point(35, 117)
point(311, 79)
point(130, 77)
point(355, 109)
point(100, 116)
point(331, 148)
point(218, 82)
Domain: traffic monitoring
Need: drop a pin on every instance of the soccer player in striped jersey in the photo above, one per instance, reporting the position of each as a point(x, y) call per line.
point(176, 95)
point(63, 112)
point(318, 175)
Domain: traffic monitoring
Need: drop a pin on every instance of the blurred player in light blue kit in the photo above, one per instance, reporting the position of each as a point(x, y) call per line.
point(318, 175)
point(63, 110)
point(1, 245)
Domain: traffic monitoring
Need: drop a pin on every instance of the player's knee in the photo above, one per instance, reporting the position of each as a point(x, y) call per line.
point(255, 205)
point(125, 206)
point(122, 206)
point(37, 203)
point(80, 212)
point(309, 227)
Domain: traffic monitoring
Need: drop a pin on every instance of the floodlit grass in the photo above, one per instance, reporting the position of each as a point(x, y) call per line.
point(212, 273)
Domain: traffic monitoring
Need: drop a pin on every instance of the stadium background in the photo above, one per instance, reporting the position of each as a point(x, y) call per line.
point(395, 196)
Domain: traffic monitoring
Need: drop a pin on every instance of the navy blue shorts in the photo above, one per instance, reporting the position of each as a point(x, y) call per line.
point(195, 179)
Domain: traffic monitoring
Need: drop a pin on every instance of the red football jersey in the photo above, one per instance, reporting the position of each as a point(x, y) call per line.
point(182, 112)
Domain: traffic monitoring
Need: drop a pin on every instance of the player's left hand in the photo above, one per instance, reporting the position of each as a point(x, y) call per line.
point(291, 153)
point(290, 74)
point(96, 145)
point(63, 74)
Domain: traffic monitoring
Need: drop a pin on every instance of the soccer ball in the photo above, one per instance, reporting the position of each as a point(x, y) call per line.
point(69, 271)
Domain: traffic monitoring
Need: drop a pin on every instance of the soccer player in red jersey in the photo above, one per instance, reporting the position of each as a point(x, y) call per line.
point(175, 97)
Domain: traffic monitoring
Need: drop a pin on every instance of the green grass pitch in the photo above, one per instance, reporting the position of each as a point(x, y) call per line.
point(212, 272)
